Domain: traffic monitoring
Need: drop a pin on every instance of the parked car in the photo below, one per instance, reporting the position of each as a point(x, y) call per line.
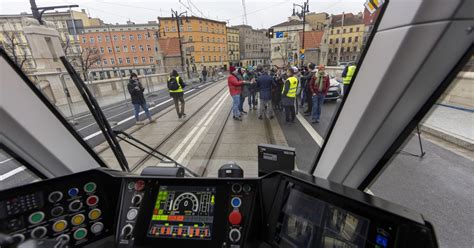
point(335, 89)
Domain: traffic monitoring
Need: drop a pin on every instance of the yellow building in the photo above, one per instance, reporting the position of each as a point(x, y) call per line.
point(345, 40)
point(204, 41)
point(233, 38)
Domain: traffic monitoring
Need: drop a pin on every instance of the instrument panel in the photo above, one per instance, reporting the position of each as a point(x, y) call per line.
point(100, 208)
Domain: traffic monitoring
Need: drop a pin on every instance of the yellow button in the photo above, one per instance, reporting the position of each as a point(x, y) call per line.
point(95, 214)
point(59, 226)
point(78, 219)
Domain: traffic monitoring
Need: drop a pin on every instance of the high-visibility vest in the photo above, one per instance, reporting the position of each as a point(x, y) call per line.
point(293, 86)
point(180, 89)
point(350, 71)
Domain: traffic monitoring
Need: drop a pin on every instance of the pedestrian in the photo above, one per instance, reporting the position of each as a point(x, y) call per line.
point(252, 100)
point(204, 74)
point(235, 88)
point(265, 83)
point(175, 87)
point(307, 89)
point(276, 90)
point(347, 76)
point(136, 90)
point(289, 94)
point(242, 75)
point(319, 88)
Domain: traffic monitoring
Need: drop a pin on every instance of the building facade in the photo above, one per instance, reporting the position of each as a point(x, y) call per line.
point(346, 35)
point(285, 43)
point(13, 40)
point(204, 41)
point(233, 45)
point(254, 46)
point(126, 47)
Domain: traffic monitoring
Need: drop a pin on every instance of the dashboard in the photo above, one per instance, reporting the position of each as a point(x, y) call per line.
point(105, 208)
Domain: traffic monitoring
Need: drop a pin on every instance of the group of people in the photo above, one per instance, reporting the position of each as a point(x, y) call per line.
point(278, 89)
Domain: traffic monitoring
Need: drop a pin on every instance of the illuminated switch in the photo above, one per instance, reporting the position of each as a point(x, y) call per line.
point(94, 214)
point(162, 231)
point(78, 219)
point(180, 231)
point(97, 227)
point(57, 211)
point(36, 217)
point(90, 187)
point(235, 217)
point(139, 185)
point(73, 192)
point(92, 200)
point(59, 226)
point(75, 205)
point(80, 233)
point(55, 196)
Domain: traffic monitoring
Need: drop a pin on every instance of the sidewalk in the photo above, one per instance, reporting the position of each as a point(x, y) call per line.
point(450, 124)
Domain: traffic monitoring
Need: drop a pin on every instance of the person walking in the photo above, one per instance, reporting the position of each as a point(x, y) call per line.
point(175, 87)
point(289, 94)
point(242, 75)
point(308, 95)
point(265, 83)
point(252, 100)
point(204, 74)
point(136, 90)
point(319, 86)
point(235, 87)
point(347, 76)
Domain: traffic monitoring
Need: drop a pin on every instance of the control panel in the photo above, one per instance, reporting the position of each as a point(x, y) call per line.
point(74, 211)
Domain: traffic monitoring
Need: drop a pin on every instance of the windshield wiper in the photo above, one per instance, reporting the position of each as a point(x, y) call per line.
point(98, 115)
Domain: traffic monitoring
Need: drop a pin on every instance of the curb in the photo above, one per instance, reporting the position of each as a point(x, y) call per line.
point(448, 136)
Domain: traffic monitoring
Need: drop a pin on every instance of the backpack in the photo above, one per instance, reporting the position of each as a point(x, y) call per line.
point(173, 84)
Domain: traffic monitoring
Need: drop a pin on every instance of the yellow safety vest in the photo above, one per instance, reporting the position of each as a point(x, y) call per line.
point(293, 85)
point(180, 89)
point(350, 72)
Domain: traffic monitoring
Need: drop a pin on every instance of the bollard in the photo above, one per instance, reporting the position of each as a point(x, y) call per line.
point(231, 170)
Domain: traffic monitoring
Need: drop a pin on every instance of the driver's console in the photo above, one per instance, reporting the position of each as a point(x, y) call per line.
point(102, 208)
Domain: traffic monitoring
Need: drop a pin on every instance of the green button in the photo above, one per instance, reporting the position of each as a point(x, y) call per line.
point(80, 233)
point(131, 185)
point(36, 217)
point(90, 187)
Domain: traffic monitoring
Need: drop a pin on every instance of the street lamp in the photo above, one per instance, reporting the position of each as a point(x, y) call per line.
point(179, 22)
point(302, 14)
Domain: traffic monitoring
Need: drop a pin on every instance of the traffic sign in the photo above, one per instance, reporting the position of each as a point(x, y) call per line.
point(278, 35)
point(373, 5)
point(301, 56)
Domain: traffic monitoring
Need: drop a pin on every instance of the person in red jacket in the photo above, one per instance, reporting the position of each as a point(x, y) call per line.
point(319, 86)
point(235, 88)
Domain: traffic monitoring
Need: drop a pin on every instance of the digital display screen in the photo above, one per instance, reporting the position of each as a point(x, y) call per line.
point(183, 212)
point(310, 222)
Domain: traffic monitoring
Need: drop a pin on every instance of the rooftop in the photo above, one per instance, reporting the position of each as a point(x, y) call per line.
point(193, 17)
point(349, 19)
point(289, 23)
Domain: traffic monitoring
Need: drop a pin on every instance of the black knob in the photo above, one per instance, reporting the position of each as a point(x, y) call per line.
point(234, 235)
point(127, 231)
point(136, 200)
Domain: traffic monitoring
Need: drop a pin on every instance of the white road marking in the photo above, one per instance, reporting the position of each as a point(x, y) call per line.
point(12, 172)
point(6, 160)
point(315, 135)
point(202, 128)
point(195, 127)
point(132, 117)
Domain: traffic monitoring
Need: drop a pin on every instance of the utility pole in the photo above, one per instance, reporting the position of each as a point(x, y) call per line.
point(39, 11)
point(302, 14)
point(179, 22)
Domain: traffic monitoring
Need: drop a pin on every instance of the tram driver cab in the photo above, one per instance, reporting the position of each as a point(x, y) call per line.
point(81, 203)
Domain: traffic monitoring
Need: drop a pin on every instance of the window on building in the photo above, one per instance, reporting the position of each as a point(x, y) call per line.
point(109, 49)
point(210, 59)
point(350, 30)
point(152, 60)
point(107, 38)
point(167, 29)
point(356, 39)
point(115, 37)
point(98, 62)
point(105, 61)
point(337, 40)
point(342, 49)
point(135, 60)
point(343, 40)
point(102, 50)
point(131, 37)
point(139, 36)
point(125, 49)
point(148, 47)
point(337, 31)
point(143, 60)
point(355, 49)
point(330, 41)
point(190, 38)
point(349, 40)
point(123, 37)
point(84, 40)
point(203, 58)
point(173, 29)
point(132, 48)
point(330, 50)
point(202, 38)
point(344, 31)
point(208, 48)
point(357, 29)
point(335, 50)
point(99, 38)
point(349, 49)
point(215, 58)
point(117, 49)
point(214, 49)
point(141, 48)
point(208, 39)
point(112, 61)
point(353, 57)
point(120, 61)
point(332, 31)
point(190, 28)
point(207, 30)
point(128, 60)
point(147, 36)
point(91, 40)
point(202, 49)
point(181, 28)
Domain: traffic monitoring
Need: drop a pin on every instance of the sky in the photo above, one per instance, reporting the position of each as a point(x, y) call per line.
point(260, 13)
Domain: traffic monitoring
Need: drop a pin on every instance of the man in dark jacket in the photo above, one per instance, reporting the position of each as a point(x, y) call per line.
point(308, 95)
point(319, 86)
point(265, 83)
point(177, 93)
point(136, 89)
point(204, 74)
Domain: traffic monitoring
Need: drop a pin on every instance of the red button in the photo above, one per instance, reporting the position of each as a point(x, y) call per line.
point(235, 217)
point(92, 200)
point(139, 185)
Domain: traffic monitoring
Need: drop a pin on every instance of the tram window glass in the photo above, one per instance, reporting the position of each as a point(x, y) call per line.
point(13, 173)
point(432, 171)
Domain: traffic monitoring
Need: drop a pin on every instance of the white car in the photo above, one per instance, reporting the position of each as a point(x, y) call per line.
point(335, 89)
